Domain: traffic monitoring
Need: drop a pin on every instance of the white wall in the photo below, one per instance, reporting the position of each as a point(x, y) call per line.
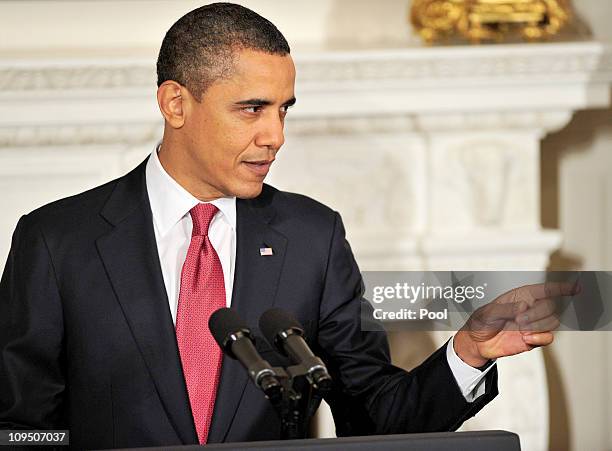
point(74, 26)
point(104, 25)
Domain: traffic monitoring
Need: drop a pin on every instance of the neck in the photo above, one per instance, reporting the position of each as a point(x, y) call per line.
point(180, 172)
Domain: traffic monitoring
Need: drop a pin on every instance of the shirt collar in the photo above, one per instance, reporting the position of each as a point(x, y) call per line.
point(170, 201)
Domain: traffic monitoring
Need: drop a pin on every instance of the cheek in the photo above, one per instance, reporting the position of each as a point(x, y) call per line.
point(221, 142)
point(225, 150)
point(235, 143)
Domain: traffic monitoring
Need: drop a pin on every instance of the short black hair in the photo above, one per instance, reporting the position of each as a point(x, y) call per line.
point(200, 47)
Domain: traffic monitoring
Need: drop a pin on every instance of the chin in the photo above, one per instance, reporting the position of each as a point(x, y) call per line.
point(249, 192)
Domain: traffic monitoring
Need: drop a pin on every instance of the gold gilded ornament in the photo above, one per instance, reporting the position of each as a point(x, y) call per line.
point(488, 20)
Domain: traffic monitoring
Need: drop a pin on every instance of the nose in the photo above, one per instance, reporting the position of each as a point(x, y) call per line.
point(271, 134)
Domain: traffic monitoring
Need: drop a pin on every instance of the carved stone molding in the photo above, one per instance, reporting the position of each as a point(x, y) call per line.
point(418, 89)
point(84, 134)
point(350, 125)
point(565, 60)
point(70, 75)
point(79, 135)
point(423, 65)
point(547, 121)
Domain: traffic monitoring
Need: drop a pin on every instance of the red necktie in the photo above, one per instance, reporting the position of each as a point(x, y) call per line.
point(202, 292)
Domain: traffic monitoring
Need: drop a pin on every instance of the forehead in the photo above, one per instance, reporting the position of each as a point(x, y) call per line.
point(260, 74)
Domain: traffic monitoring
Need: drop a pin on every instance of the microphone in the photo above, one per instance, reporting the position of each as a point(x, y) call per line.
point(234, 337)
point(284, 332)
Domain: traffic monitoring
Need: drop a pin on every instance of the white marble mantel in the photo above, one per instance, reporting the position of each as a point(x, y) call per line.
point(421, 89)
point(431, 155)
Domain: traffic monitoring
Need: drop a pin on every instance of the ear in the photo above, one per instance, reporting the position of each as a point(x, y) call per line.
point(170, 98)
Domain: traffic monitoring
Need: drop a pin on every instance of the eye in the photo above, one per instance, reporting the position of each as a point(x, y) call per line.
point(252, 109)
point(285, 108)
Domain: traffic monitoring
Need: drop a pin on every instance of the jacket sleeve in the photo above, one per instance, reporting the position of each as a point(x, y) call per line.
point(31, 335)
point(371, 396)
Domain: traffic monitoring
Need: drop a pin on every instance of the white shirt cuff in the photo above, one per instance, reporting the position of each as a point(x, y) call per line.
point(471, 381)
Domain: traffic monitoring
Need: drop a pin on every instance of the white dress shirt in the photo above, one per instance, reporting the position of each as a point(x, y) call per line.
point(170, 205)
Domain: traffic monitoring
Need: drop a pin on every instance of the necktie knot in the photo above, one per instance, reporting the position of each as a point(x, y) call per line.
point(202, 215)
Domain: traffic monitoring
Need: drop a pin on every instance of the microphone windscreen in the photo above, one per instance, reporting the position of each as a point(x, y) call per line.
point(275, 321)
point(224, 322)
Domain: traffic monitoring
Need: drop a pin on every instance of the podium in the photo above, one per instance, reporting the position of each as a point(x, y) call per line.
point(438, 441)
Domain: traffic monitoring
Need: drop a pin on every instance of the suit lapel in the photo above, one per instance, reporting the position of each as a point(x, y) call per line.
point(129, 254)
point(255, 284)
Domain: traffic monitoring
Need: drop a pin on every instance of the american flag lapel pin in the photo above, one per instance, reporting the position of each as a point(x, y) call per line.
point(263, 251)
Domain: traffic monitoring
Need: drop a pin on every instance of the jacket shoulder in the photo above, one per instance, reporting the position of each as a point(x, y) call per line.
point(89, 202)
point(77, 202)
point(76, 211)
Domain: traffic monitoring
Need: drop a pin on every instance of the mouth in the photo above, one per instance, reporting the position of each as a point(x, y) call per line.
point(259, 167)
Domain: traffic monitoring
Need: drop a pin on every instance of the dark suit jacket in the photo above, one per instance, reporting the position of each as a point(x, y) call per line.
point(88, 344)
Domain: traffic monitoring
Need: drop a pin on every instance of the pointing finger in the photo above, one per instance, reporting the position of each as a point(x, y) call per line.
point(540, 309)
point(553, 289)
point(547, 324)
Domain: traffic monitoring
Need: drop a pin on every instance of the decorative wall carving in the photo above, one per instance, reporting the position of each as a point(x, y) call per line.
point(79, 135)
point(538, 61)
point(429, 122)
point(86, 75)
point(548, 121)
point(512, 62)
point(478, 179)
point(486, 168)
point(370, 178)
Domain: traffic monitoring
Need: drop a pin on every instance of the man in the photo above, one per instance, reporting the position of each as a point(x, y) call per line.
point(105, 297)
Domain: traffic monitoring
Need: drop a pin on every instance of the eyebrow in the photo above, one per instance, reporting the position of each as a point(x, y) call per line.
point(265, 102)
